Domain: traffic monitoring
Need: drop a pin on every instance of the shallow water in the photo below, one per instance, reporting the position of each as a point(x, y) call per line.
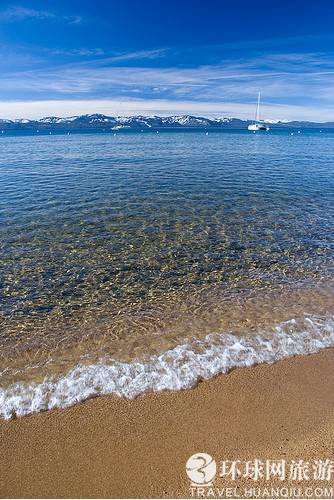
point(119, 249)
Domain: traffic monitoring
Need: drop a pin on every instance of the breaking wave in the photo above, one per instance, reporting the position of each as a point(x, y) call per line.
point(178, 368)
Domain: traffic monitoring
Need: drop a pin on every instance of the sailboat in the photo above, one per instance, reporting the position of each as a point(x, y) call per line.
point(257, 125)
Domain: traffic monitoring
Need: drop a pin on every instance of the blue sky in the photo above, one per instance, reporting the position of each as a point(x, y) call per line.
point(167, 57)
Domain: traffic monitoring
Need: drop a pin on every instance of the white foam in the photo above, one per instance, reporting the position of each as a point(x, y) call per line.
point(178, 368)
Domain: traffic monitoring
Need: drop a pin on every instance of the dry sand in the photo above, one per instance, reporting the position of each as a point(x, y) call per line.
point(112, 447)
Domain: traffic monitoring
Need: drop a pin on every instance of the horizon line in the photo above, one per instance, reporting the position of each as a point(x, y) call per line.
point(163, 115)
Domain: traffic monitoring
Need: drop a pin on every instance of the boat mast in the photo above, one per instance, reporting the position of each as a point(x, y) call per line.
point(257, 116)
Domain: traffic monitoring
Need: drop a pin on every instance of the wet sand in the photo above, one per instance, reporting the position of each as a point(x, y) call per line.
point(112, 447)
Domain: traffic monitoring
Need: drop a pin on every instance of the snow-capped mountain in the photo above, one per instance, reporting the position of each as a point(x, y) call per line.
point(100, 121)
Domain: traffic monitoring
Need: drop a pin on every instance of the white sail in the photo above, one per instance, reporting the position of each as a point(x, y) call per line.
point(257, 115)
point(257, 125)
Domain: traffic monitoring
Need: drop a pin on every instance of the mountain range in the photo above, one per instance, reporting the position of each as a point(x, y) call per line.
point(100, 121)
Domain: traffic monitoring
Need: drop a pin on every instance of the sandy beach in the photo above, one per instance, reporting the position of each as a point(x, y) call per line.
point(113, 447)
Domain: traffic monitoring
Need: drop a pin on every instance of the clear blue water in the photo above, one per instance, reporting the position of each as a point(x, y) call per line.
point(128, 244)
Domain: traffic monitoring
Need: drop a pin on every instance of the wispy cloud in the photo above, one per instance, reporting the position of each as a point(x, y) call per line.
point(110, 57)
point(81, 51)
point(295, 85)
point(137, 55)
point(278, 75)
point(19, 13)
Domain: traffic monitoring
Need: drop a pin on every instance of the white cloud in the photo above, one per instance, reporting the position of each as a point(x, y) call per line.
point(112, 58)
point(81, 51)
point(294, 86)
point(19, 13)
point(137, 55)
point(229, 80)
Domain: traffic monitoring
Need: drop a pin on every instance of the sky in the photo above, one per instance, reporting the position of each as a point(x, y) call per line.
point(165, 57)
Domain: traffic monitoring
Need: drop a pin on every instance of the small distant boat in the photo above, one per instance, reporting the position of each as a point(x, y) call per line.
point(257, 125)
point(120, 127)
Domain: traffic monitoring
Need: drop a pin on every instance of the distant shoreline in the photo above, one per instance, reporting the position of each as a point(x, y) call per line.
point(182, 122)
